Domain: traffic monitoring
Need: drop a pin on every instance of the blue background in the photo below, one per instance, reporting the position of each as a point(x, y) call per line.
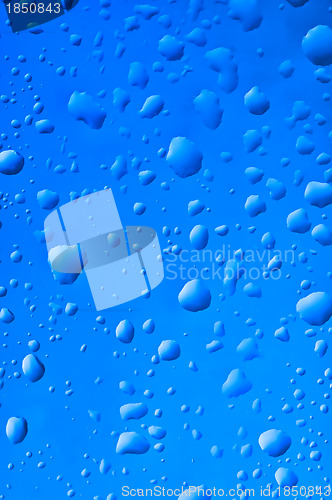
point(61, 431)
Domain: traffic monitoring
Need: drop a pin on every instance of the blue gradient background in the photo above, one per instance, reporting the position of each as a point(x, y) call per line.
point(63, 422)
